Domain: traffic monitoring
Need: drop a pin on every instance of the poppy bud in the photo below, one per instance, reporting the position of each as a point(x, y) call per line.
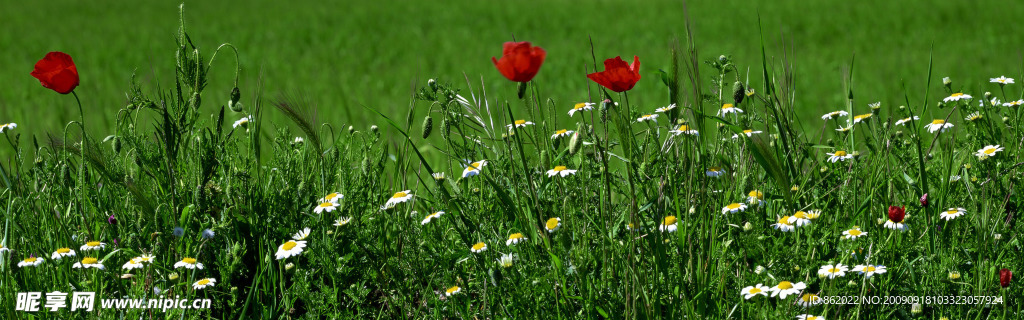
point(738, 92)
point(428, 124)
point(924, 200)
point(366, 165)
point(897, 214)
point(196, 100)
point(1004, 277)
point(574, 143)
point(235, 95)
point(116, 144)
point(235, 106)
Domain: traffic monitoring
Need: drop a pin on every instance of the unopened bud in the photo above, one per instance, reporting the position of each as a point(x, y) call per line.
point(738, 92)
point(947, 83)
point(988, 96)
point(428, 125)
point(758, 269)
point(924, 200)
point(747, 226)
point(235, 106)
point(432, 84)
point(574, 143)
point(374, 129)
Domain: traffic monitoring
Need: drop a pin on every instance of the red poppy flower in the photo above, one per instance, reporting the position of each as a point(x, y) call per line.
point(57, 72)
point(896, 214)
point(1004, 277)
point(617, 75)
point(520, 61)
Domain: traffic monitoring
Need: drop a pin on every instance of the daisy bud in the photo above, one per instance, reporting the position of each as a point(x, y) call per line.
point(851, 283)
point(758, 269)
point(289, 266)
point(723, 59)
point(947, 83)
point(693, 209)
point(988, 96)
point(374, 129)
point(432, 84)
point(428, 124)
point(916, 308)
point(747, 226)
point(1004, 277)
point(998, 236)
point(1006, 119)
point(173, 276)
point(954, 275)
point(924, 200)
point(738, 92)
point(796, 268)
point(351, 130)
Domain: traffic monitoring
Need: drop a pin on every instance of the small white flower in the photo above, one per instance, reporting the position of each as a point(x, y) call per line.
point(582, 106)
point(853, 233)
point(89, 262)
point(290, 248)
point(858, 118)
point(561, 133)
point(957, 97)
point(326, 206)
point(452, 291)
point(785, 288)
point(734, 208)
point(515, 238)
point(755, 290)
point(93, 245)
point(647, 117)
point(474, 168)
point(809, 317)
point(133, 263)
point(1002, 80)
point(666, 108)
point(204, 283)
point(520, 124)
point(506, 260)
point(431, 216)
point(334, 197)
point(869, 270)
point(398, 197)
point(875, 105)
point(7, 126)
point(683, 129)
point(833, 271)
point(479, 247)
point(748, 133)
point(937, 125)
point(952, 213)
point(342, 221)
point(714, 172)
point(784, 224)
point(808, 300)
point(902, 122)
point(301, 235)
point(561, 171)
point(243, 122)
point(30, 262)
point(839, 155)
point(834, 114)
point(188, 263)
point(62, 252)
point(668, 225)
point(729, 108)
point(299, 140)
point(1013, 103)
point(988, 151)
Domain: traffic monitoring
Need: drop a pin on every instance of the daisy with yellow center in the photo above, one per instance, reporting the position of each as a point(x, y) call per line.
point(1002, 80)
point(7, 126)
point(861, 117)
point(938, 125)
point(839, 155)
point(290, 249)
point(1013, 103)
point(799, 219)
point(904, 121)
point(506, 260)
point(520, 124)
point(582, 106)
point(204, 283)
point(89, 262)
point(755, 197)
point(952, 213)
point(853, 233)
point(515, 238)
point(132, 263)
point(146, 258)
point(668, 224)
point(431, 216)
point(833, 115)
point(62, 252)
point(342, 221)
point(784, 224)
point(750, 92)
point(875, 105)
point(666, 108)
point(188, 263)
point(808, 300)
point(474, 168)
point(553, 224)
point(93, 245)
point(896, 225)
point(3, 248)
point(734, 208)
point(755, 290)
point(561, 171)
point(809, 317)
point(714, 171)
point(988, 151)
point(333, 197)
point(452, 291)
point(845, 129)
point(869, 270)
point(561, 133)
point(973, 116)
point(957, 97)
point(647, 117)
point(326, 206)
point(30, 262)
point(833, 271)
point(301, 235)
point(785, 288)
point(398, 197)
point(684, 129)
point(748, 133)
point(243, 122)
point(478, 247)
point(729, 108)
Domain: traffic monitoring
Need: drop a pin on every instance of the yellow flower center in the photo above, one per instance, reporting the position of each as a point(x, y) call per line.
point(552, 224)
point(989, 151)
point(479, 246)
point(869, 269)
point(748, 131)
point(515, 236)
point(951, 211)
point(63, 250)
point(714, 169)
point(31, 259)
point(189, 260)
point(755, 290)
point(733, 206)
point(727, 106)
point(785, 285)
point(808, 297)
point(833, 270)
point(289, 245)
point(800, 215)
point(559, 168)
point(520, 122)
point(839, 153)
point(855, 232)
point(561, 131)
point(646, 116)
point(331, 196)
point(89, 260)
point(326, 204)
point(203, 282)
point(784, 220)
point(684, 128)
point(756, 194)
point(93, 243)
point(957, 94)
point(863, 116)
point(669, 220)
point(452, 289)
point(938, 121)
point(399, 195)
point(580, 105)
point(475, 165)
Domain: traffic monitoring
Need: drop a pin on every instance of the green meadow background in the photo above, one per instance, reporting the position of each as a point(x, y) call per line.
point(343, 55)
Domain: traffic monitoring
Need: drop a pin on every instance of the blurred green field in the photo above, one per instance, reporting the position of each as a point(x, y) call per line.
point(343, 54)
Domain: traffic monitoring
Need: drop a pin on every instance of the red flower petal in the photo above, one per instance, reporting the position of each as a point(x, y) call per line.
point(56, 71)
point(519, 61)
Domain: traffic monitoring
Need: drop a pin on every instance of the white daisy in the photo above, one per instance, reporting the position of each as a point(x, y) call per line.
point(853, 233)
point(3, 248)
point(1013, 103)
point(684, 129)
point(301, 235)
point(561, 133)
point(808, 300)
point(334, 197)
point(132, 263)
point(785, 288)
point(515, 238)
point(188, 263)
point(451, 291)
point(146, 258)
point(290, 249)
point(937, 125)
point(845, 129)
point(203, 283)
point(839, 155)
point(973, 116)
point(553, 224)
point(784, 225)
point(399, 197)
point(30, 262)
point(833, 271)
point(478, 247)
point(326, 206)
point(93, 245)
point(904, 121)
point(561, 171)
point(669, 224)
point(89, 262)
point(647, 117)
point(474, 168)
point(799, 219)
point(243, 122)
point(833, 115)
point(895, 225)
point(714, 172)
point(729, 108)
point(582, 106)
point(755, 197)
point(734, 208)
point(431, 216)
point(62, 252)
point(988, 151)
point(748, 133)
point(520, 124)
point(869, 270)
point(7, 126)
point(861, 117)
point(952, 213)
point(957, 97)
point(666, 108)
point(342, 221)
point(299, 140)
point(506, 260)
point(1002, 80)
point(809, 317)
point(875, 105)
point(753, 291)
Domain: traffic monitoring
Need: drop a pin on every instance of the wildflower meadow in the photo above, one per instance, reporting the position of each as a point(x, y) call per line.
point(715, 199)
